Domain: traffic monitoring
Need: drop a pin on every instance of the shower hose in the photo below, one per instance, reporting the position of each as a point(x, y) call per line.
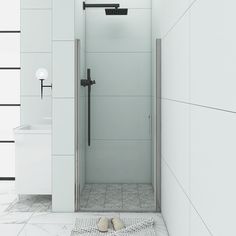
point(128, 230)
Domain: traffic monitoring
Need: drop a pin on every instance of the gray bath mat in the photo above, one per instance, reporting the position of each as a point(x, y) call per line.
point(144, 228)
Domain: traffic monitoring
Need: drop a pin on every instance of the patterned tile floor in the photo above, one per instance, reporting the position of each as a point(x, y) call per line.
point(117, 197)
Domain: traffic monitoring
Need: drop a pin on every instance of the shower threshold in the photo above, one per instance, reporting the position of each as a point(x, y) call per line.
point(118, 197)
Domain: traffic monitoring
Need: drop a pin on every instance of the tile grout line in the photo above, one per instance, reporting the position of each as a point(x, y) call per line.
point(25, 224)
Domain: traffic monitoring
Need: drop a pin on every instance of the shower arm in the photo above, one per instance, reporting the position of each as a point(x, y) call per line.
point(102, 5)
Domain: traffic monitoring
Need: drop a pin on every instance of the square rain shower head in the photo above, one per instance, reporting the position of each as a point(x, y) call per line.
point(117, 11)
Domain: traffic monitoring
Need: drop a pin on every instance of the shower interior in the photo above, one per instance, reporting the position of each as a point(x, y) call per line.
point(116, 112)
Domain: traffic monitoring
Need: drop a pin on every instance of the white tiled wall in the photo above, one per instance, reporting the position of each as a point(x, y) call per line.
point(36, 47)
point(63, 105)
point(10, 15)
point(10, 47)
point(9, 83)
point(198, 125)
point(63, 183)
point(63, 69)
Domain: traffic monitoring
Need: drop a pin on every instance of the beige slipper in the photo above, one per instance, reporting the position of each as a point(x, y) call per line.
point(103, 224)
point(117, 223)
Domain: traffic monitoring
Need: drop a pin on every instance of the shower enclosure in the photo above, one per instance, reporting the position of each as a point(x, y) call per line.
point(116, 110)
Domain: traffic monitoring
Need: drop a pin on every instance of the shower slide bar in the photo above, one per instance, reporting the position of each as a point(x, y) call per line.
point(88, 83)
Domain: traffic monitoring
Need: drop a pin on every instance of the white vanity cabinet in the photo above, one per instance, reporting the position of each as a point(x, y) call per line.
point(33, 159)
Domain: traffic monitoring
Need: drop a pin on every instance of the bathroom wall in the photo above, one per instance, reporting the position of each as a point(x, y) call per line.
point(198, 117)
point(63, 130)
point(36, 52)
point(9, 83)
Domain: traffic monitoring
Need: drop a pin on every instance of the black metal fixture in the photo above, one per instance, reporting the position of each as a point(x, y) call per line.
point(115, 8)
point(44, 86)
point(88, 83)
point(42, 74)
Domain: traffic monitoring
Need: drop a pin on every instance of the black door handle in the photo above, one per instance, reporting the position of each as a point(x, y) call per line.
point(88, 83)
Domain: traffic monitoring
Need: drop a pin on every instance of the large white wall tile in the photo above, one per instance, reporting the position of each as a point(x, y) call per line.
point(131, 33)
point(213, 135)
point(10, 15)
point(30, 62)
point(63, 184)
point(9, 119)
point(63, 19)
point(175, 204)
point(198, 228)
point(36, 31)
point(63, 127)
point(213, 54)
point(175, 139)
point(10, 89)
point(120, 74)
point(175, 62)
point(63, 68)
point(171, 11)
point(25, 4)
point(35, 109)
point(10, 50)
point(120, 118)
point(126, 162)
point(127, 3)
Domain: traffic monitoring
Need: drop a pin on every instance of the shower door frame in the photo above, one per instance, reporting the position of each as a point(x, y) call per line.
point(156, 122)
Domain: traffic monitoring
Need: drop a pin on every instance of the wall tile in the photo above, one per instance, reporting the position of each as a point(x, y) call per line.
point(10, 15)
point(213, 135)
point(125, 162)
point(63, 69)
point(120, 74)
point(130, 33)
point(9, 50)
point(175, 205)
point(35, 109)
point(171, 11)
point(120, 118)
point(36, 31)
point(63, 184)
point(10, 92)
point(36, 4)
point(175, 139)
point(213, 54)
point(197, 226)
point(30, 62)
point(63, 20)
point(175, 62)
point(63, 127)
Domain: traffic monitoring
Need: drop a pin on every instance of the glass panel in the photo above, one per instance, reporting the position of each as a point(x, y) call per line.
point(9, 119)
point(9, 86)
point(7, 160)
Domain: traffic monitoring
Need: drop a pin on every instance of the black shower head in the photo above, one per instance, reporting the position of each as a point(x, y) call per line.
point(116, 11)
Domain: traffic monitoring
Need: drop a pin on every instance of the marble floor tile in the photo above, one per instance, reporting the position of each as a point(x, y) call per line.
point(31, 203)
point(47, 230)
point(11, 229)
point(14, 217)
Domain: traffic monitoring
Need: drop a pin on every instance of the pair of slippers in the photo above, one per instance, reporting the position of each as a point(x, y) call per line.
point(103, 224)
